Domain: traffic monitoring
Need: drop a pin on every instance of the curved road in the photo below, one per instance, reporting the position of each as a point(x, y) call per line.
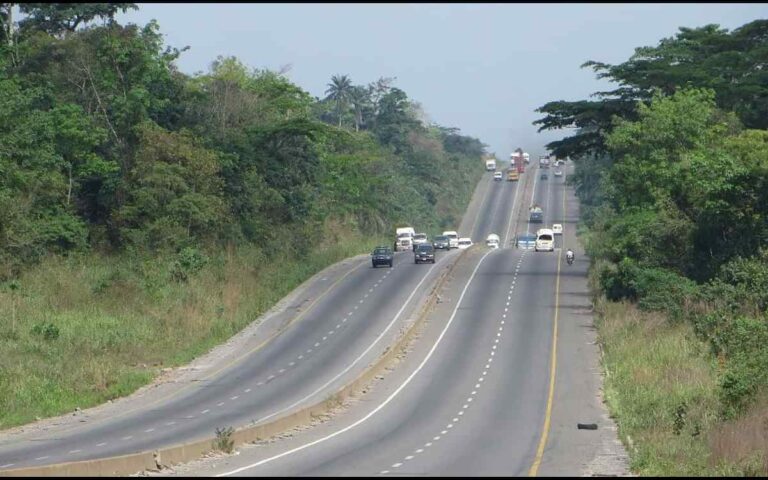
point(335, 340)
point(476, 392)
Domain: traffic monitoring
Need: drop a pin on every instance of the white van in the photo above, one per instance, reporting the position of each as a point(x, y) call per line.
point(545, 240)
point(453, 238)
point(492, 241)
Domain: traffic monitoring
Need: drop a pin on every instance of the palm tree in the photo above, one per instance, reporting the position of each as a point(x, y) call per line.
point(339, 90)
point(360, 98)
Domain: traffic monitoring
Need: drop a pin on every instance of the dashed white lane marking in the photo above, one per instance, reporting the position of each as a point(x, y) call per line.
point(480, 379)
point(384, 472)
point(43, 458)
point(309, 351)
point(450, 425)
point(220, 404)
point(396, 465)
point(509, 297)
point(474, 392)
point(436, 438)
point(149, 430)
point(461, 413)
point(127, 437)
point(234, 398)
point(204, 411)
point(455, 420)
point(292, 364)
point(492, 354)
point(444, 432)
point(420, 450)
point(7, 465)
point(338, 325)
point(361, 301)
point(498, 334)
point(409, 457)
point(248, 390)
point(428, 444)
point(168, 424)
point(300, 357)
point(465, 406)
point(282, 370)
point(260, 384)
point(268, 378)
point(497, 340)
point(75, 451)
point(101, 444)
point(317, 344)
point(350, 314)
point(370, 290)
point(356, 305)
point(485, 372)
point(506, 309)
point(364, 296)
point(344, 320)
point(189, 417)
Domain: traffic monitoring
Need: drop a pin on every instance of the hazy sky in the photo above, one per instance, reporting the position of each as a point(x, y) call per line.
point(483, 68)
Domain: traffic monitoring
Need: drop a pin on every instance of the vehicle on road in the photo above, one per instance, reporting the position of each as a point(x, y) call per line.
point(544, 176)
point(424, 252)
point(558, 173)
point(526, 158)
point(382, 256)
point(418, 239)
point(490, 164)
point(442, 242)
point(537, 214)
point(545, 240)
point(544, 161)
point(404, 240)
point(492, 240)
point(497, 176)
point(526, 241)
point(465, 242)
point(453, 238)
point(557, 229)
point(512, 175)
point(569, 256)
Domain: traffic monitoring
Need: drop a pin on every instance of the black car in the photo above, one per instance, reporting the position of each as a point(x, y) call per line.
point(382, 256)
point(544, 176)
point(443, 242)
point(425, 252)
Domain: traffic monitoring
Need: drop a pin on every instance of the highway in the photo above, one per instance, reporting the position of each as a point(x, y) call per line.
point(345, 329)
point(478, 393)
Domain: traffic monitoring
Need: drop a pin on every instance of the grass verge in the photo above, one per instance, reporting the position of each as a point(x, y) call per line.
point(662, 388)
point(82, 330)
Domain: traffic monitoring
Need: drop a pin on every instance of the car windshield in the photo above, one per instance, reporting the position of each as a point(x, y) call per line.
point(464, 242)
point(419, 237)
point(380, 251)
point(441, 238)
point(424, 248)
point(401, 235)
point(545, 238)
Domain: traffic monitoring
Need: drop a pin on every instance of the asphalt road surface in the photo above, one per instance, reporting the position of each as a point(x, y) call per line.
point(482, 393)
point(331, 344)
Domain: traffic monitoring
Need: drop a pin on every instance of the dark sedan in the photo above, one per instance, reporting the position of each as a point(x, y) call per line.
point(425, 252)
point(442, 242)
point(382, 256)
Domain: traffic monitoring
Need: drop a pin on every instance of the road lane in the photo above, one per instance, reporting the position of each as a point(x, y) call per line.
point(297, 367)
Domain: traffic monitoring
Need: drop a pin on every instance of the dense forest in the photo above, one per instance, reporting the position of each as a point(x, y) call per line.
point(672, 175)
point(147, 214)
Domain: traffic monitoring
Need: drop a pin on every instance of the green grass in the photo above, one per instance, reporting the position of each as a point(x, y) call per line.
point(662, 389)
point(82, 330)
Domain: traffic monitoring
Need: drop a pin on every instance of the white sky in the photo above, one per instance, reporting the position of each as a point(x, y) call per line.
point(483, 68)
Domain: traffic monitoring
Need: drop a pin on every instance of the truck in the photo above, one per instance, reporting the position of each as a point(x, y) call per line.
point(536, 214)
point(512, 175)
point(490, 164)
point(544, 161)
point(404, 238)
point(526, 158)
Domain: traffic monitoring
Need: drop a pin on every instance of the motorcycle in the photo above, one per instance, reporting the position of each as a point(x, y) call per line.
point(569, 258)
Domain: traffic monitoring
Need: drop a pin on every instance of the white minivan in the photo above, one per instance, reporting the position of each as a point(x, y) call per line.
point(492, 241)
point(545, 240)
point(453, 238)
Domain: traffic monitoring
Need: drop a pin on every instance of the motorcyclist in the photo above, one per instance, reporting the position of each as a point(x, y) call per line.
point(569, 255)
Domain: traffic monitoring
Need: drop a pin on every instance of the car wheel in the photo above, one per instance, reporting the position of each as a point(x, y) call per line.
point(390, 264)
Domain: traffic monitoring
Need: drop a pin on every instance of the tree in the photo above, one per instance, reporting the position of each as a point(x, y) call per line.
point(61, 18)
point(339, 91)
point(360, 98)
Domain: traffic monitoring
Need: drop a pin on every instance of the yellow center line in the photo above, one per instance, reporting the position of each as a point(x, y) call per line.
point(548, 415)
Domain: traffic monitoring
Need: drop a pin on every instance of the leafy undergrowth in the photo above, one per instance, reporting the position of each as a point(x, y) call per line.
point(663, 389)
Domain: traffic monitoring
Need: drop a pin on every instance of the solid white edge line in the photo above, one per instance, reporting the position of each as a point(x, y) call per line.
point(389, 399)
point(349, 367)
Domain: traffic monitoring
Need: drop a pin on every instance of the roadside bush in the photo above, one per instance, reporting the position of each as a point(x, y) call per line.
point(744, 341)
point(188, 262)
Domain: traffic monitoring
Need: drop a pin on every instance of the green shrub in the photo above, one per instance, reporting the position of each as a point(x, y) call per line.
point(744, 343)
point(188, 262)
